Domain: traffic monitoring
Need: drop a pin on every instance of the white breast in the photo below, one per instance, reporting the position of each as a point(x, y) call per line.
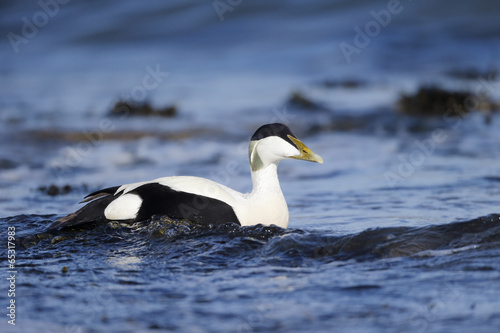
point(267, 210)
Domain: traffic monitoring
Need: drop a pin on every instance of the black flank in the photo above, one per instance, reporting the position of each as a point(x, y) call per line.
point(157, 200)
point(162, 200)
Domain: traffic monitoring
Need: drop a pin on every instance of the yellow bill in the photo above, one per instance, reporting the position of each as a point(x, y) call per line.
point(305, 153)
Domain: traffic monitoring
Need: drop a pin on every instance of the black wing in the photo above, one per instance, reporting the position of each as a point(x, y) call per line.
point(159, 199)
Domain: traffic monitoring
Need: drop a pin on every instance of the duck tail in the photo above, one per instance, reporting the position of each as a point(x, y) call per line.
point(90, 214)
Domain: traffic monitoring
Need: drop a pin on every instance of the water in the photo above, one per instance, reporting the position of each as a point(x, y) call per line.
point(170, 277)
point(398, 231)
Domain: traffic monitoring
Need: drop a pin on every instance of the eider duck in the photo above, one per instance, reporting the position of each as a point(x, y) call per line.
point(199, 200)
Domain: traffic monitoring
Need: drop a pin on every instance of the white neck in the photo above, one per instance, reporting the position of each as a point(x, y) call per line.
point(266, 180)
point(266, 203)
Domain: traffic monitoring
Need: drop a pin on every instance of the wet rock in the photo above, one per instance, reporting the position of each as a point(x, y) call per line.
point(54, 190)
point(473, 74)
point(433, 101)
point(298, 100)
point(125, 109)
point(346, 83)
point(7, 164)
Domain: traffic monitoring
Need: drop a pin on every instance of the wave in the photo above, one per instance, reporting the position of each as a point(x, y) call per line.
point(161, 235)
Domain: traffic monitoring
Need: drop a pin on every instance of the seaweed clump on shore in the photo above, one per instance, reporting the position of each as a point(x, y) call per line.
point(125, 109)
point(433, 101)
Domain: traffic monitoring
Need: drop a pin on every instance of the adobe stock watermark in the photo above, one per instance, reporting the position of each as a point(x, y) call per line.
point(233, 167)
point(262, 311)
point(74, 155)
point(230, 170)
point(484, 89)
point(31, 26)
point(371, 29)
point(222, 7)
point(11, 275)
point(90, 307)
point(449, 293)
point(416, 158)
point(453, 117)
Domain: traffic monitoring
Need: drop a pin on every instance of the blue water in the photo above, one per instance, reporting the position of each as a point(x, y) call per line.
point(397, 232)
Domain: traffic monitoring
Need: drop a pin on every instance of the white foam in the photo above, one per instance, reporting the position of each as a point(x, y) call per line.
point(445, 252)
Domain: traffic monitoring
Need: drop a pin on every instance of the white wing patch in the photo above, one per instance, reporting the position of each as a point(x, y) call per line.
point(124, 207)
